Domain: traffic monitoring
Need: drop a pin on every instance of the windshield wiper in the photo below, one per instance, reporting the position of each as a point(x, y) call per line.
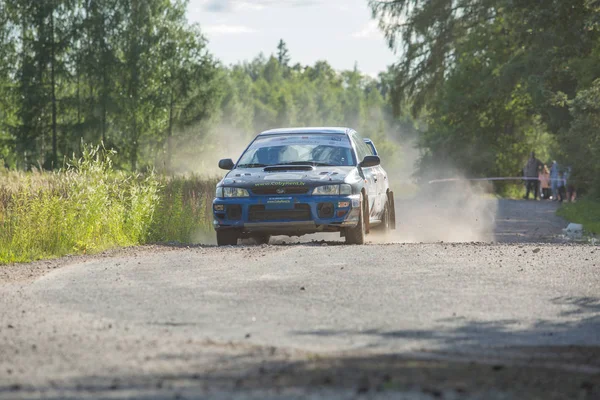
point(252, 165)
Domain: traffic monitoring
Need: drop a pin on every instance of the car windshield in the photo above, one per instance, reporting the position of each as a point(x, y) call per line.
point(312, 149)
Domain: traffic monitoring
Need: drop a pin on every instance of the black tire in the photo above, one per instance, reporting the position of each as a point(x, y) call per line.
point(357, 234)
point(385, 225)
point(392, 207)
point(227, 238)
point(261, 239)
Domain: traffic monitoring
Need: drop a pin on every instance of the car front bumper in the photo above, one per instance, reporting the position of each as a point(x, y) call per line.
point(286, 215)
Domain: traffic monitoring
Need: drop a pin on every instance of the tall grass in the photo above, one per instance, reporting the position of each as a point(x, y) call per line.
point(184, 210)
point(89, 207)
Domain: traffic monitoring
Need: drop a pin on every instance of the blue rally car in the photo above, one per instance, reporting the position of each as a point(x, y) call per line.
point(303, 180)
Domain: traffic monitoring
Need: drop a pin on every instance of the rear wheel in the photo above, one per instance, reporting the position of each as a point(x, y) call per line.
point(227, 238)
point(392, 208)
point(357, 234)
point(385, 225)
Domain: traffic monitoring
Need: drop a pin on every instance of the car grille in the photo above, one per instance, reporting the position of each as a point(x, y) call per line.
point(300, 212)
point(273, 190)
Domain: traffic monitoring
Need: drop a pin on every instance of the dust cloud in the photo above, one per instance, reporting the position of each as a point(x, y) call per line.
point(205, 237)
point(458, 210)
point(201, 155)
point(451, 212)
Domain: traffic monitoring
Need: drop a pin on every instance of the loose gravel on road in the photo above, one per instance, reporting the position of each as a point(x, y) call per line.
point(307, 320)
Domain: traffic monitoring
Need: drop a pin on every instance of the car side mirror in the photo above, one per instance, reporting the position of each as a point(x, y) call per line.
point(370, 161)
point(226, 164)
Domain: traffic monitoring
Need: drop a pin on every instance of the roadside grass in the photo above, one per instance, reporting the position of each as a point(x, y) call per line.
point(183, 212)
point(585, 212)
point(89, 207)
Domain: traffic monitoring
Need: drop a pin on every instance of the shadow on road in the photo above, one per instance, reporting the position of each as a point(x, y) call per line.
point(466, 367)
point(580, 325)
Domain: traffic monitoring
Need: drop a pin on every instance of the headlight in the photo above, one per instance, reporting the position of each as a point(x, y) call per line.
point(234, 192)
point(345, 189)
point(219, 193)
point(332, 190)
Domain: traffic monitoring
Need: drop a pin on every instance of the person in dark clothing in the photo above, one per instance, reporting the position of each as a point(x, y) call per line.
point(531, 173)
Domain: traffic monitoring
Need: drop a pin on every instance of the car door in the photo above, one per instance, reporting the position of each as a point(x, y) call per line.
point(369, 174)
point(382, 179)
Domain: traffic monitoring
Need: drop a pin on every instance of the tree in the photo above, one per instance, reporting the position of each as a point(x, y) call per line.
point(283, 56)
point(187, 77)
point(495, 78)
point(8, 60)
point(582, 143)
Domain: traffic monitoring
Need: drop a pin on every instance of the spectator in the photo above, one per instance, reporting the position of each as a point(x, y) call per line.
point(531, 174)
point(554, 180)
point(544, 179)
point(561, 183)
point(571, 192)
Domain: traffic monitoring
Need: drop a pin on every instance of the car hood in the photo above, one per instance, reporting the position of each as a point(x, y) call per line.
point(290, 176)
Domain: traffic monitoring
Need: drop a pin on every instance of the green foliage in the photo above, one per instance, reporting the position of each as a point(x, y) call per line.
point(137, 77)
point(89, 207)
point(509, 189)
point(131, 74)
point(497, 79)
point(585, 212)
point(582, 143)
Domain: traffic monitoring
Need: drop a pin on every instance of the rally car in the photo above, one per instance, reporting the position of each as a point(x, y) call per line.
point(298, 181)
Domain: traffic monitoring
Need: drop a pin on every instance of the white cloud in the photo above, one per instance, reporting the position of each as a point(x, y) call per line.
point(368, 31)
point(224, 29)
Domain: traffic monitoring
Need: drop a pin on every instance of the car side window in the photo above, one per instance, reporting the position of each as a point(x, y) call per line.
point(362, 149)
point(371, 146)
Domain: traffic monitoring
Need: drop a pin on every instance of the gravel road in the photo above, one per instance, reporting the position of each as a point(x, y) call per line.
point(514, 315)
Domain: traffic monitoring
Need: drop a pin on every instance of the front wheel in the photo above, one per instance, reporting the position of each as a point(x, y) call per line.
point(357, 234)
point(227, 238)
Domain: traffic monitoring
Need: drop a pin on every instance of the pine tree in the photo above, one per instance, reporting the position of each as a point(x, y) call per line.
point(283, 54)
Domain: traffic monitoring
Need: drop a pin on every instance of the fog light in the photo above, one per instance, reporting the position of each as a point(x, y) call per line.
point(341, 213)
point(234, 212)
point(325, 210)
point(343, 204)
point(219, 207)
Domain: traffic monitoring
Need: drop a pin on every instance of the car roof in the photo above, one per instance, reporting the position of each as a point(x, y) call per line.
point(315, 130)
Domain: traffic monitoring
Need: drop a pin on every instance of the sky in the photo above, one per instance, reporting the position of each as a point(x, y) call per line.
point(338, 31)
